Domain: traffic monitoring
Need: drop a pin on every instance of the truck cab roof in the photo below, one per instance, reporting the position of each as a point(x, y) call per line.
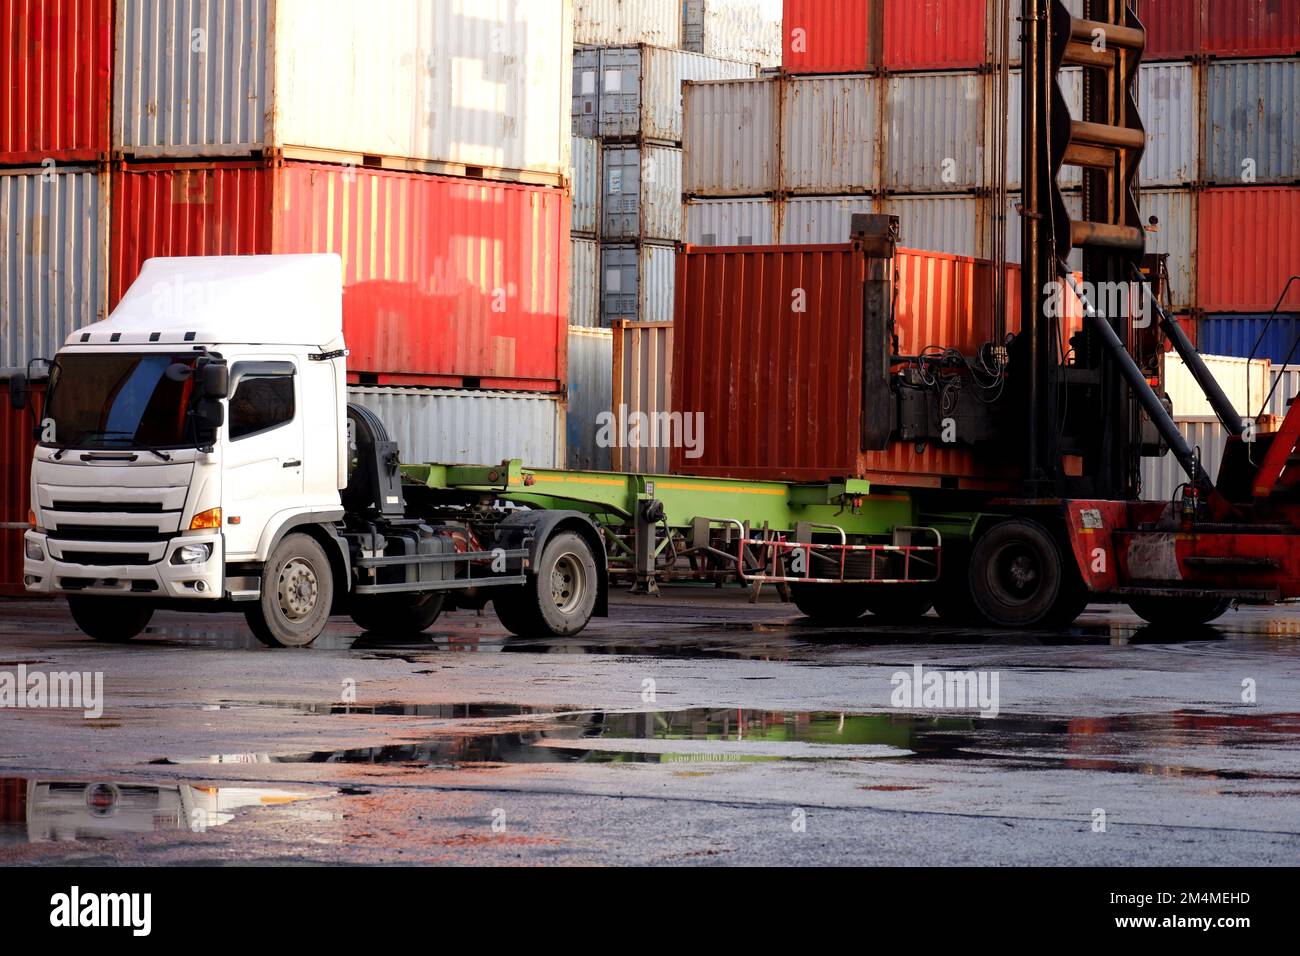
point(207, 300)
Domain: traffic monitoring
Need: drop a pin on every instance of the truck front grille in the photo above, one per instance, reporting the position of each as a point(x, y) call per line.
point(117, 507)
point(80, 532)
point(104, 559)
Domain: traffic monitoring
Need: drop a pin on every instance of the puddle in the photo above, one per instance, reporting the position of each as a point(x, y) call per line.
point(36, 810)
point(472, 711)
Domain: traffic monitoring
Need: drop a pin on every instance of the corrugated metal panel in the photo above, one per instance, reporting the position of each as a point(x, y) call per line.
point(934, 34)
point(1246, 384)
point(821, 37)
point(730, 149)
point(586, 93)
point(1175, 235)
point(1252, 27)
point(731, 222)
point(951, 224)
point(1251, 121)
point(934, 130)
point(1161, 477)
point(1247, 335)
point(748, 30)
point(1014, 30)
point(1173, 28)
point(457, 427)
point(1168, 98)
point(16, 447)
point(616, 22)
point(53, 259)
point(445, 279)
point(1285, 387)
point(56, 65)
point(1071, 82)
point(1073, 205)
point(586, 186)
point(491, 92)
point(641, 89)
point(1247, 276)
point(829, 134)
point(642, 195)
point(584, 283)
point(637, 283)
point(815, 220)
point(643, 386)
point(591, 384)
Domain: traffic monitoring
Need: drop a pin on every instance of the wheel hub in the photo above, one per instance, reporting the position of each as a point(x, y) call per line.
point(298, 589)
point(567, 583)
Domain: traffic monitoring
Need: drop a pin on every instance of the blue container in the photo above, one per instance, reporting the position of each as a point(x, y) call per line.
point(1237, 335)
point(1251, 121)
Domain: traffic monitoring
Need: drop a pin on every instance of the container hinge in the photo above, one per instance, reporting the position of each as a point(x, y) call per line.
point(328, 356)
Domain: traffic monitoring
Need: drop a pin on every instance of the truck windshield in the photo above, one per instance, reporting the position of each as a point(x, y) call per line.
point(102, 400)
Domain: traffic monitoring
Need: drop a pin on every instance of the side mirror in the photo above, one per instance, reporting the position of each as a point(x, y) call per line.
point(211, 413)
point(19, 391)
point(216, 380)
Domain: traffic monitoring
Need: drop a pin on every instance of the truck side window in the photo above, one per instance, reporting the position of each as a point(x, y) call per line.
point(260, 403)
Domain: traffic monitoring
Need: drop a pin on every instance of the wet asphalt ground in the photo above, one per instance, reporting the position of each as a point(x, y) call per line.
point(692, 728)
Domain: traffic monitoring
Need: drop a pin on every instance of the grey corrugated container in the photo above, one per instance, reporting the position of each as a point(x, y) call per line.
point(1169, 102)
point(1071, 81)
point(642, 194)
point(816, 220)
point(731, 222)
point(1287, 382)
point(934, 132)
point(586, 186)
point(637, 283)
point(53, 259)
point(1161, 477)
point(1251, 120)
point(730, 138)
point(591, 385)
point(1174, 234)
point(641, 89)
point(457, 427)
point(830, 133)
point(643, 385)
point(952, 224)
point(586, 92)
point(1014, 28)
point(611, 22)
point(748, 30)
point(584, 282)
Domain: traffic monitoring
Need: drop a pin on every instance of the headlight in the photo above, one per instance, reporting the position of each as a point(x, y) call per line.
point(34, 550)
point(192, 554)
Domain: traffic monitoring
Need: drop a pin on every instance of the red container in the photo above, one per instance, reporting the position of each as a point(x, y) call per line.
point(934, 35)
point(447, 282)
point(1235, 28)
point(56, 67)
point(13, 800)
point(831, 36)
point(16, 448)
point(1248, 245)
point(1173, 28)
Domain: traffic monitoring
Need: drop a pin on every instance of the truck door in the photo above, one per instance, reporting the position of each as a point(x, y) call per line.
point(263, 461)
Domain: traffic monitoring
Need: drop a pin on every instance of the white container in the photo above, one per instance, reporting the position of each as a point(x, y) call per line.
point(640, 89)
point(637, 283)
point(456, 427)
point(822, 219)
point(481, 90)
point(1161, 477)
point(952, 224)
point(1071, 81)
point(729, 137)
point(643, 385)
point(1169, 103)
point(591, 386)
point(731, 222)
point(53, 259)
point(642, 194)
point(617, 22)
point(1245, 382)
point(586, 187)
point(584, 282)
point(1175, 235)
point(934, 132)
point(748, 30)
point(829, 134)
point(1287, 381)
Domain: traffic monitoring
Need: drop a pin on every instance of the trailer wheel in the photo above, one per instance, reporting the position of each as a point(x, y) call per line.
point(899, 603)
point(1178, 611)
point(397, 613)
point(107, 619)
point(1015, 572)
point(560, 595)
point(830, 604)
point(297, 591)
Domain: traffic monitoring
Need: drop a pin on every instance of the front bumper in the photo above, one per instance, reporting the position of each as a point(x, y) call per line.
point(52, 573)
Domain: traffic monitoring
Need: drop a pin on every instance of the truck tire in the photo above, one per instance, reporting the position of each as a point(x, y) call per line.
point(560, 595)
point(1178, 611)
point(833, 605)
point(297, 590)
point(1016, 572)
point(397, 613)
point(899, 603)
point(108, 619)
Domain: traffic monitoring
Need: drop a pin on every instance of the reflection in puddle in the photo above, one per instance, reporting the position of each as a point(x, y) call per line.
point(42, 811)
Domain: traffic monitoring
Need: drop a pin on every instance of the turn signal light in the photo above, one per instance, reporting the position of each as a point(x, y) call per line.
point(207, 520)
point(31, 517)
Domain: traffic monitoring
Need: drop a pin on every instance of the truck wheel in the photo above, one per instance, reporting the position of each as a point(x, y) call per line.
point(1015, 574)
point(397, 613)
point(899, 603)
point(1073, 599)
point(1178, 611)
point(297, 590)
point(560, 594)
point(107, 619)
point(831, 604)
